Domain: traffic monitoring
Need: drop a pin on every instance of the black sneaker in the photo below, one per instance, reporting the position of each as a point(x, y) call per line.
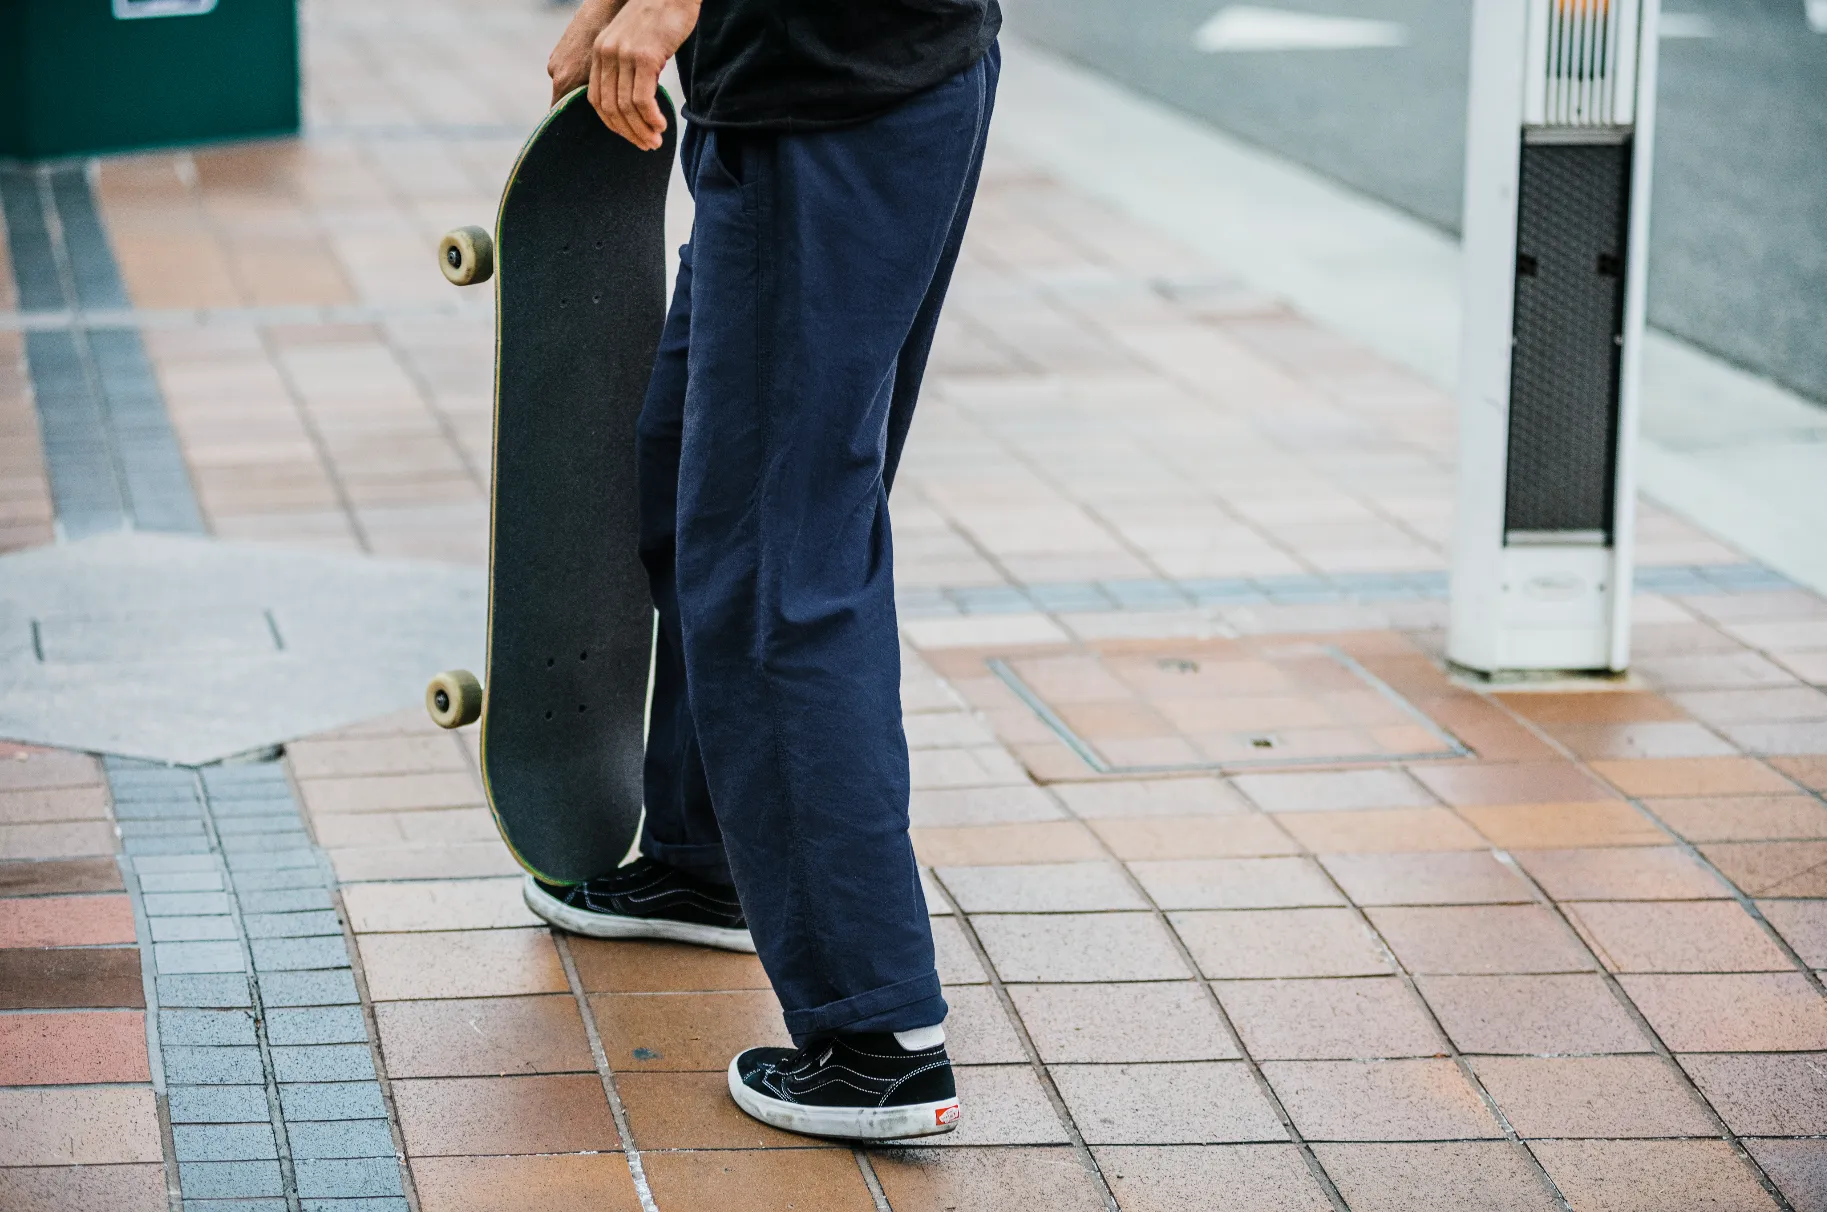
point(861, 1087)
point(645, 899)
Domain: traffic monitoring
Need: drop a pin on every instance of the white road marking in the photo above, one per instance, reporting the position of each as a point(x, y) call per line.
point(1245, 27)
point(1816, 13)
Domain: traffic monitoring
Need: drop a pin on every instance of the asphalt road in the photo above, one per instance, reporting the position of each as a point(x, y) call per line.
point(1738, 238)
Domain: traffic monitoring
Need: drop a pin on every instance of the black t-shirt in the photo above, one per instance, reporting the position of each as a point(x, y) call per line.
point(791, 65)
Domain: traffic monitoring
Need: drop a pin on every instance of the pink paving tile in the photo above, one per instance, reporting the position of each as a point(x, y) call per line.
point(78, 1126)
point(1266, 943)
point(1510, 783)
point(1532, 1015)
point(65, 921)
point(1803, 925)
point(1479, 939)
point(1356, 1019)
point(1334, 791)
point(1732, 1012)
point(1490, 1176)
point(1179, 1178)
point(1621, 873)
point(1172, 1103)
point(1380, 1100)
point(1441, 878)
point(135, 1187)
point(1767, 1094)
point(1651, 1175)
point(1593, 1096)
point(1676, 936)
point(73, 1048)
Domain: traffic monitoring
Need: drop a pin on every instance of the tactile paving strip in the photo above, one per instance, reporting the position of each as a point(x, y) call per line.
point(112, 456)
point(262, 1050)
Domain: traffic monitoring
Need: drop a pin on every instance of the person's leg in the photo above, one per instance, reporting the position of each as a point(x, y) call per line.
point(814, 260)
point(910, 366)
point(680, 828)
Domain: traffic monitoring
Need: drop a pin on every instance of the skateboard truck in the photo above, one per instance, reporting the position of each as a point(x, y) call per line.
point(467, 256)
point(454, 698)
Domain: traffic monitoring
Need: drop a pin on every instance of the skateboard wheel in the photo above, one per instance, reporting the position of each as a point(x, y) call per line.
point(467, 256)
point(454, 698)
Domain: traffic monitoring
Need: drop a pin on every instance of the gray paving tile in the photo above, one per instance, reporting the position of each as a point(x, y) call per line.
point(139, 847)
point(192, 929)
point(1070, 596)
point(316, 1025)
point(160, 809)
point(224, 1142)
point(345, 1177)
point(332, 1100)
point(345, 1138)
point(259, 822)
point(288, 900)
point(267, 881)
point(180, 958)
point(164, 826)
point(321, 922)
point(175, 862)
point(277, 860)
point(128, 790)
point(205, 1180)
point(323, 1063)
point(184, 904)
point(235, 845)
point(180, 881)
point(395, 1204)
point(234, 1205)
point(230, 778)
point(206, 1028)
point(212, 1066)
point(218, 1104)
point(225, 991)
point(299, 954)
point(327, 988)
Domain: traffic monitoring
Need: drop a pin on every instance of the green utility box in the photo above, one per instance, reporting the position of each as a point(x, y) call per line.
point(81, 76)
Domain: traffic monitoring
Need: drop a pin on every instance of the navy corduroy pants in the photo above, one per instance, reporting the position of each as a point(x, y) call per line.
point(785, 382)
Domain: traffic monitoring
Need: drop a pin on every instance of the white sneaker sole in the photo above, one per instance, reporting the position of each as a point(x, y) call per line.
point(608, 925)
point(849, 1123)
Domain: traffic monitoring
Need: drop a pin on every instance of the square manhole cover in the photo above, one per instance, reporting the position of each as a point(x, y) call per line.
point(1219, 705)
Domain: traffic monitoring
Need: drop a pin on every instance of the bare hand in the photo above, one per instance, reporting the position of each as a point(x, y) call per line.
point(569, 63)
point(626, 61)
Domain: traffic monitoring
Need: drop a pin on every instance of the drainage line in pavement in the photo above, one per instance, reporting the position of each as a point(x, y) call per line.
point(871, 1179)
point(636, 1170)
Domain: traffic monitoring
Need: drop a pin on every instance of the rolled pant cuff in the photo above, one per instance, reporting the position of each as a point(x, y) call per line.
point(901, 1006)
point(707, 862)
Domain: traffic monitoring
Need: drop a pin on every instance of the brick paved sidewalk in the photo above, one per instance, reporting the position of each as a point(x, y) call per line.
point(1240, 900)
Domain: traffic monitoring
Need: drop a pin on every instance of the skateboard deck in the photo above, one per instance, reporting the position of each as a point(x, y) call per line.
point(579, 264)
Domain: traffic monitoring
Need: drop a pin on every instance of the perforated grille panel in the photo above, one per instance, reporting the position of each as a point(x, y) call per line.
point(1572, 217)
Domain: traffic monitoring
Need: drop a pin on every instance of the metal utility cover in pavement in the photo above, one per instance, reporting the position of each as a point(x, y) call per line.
point(1164, 707)
point(189, 650)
